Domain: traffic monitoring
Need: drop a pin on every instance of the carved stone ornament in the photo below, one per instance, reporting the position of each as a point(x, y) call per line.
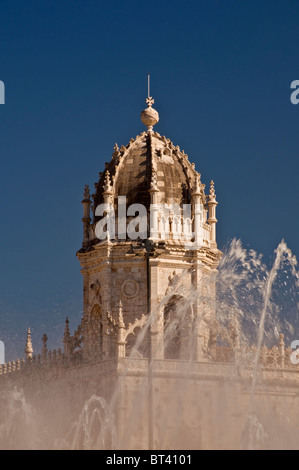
point(130, 288)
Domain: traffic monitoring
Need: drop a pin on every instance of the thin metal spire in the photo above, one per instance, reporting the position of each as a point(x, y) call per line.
point(148, 85)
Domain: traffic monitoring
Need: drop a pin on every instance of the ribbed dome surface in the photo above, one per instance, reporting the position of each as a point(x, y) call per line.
point(131, 170)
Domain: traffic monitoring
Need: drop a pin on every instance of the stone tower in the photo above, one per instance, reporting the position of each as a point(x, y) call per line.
point(149, 245)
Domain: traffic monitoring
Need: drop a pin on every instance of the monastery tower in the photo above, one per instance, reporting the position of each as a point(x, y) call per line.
point(159, 233)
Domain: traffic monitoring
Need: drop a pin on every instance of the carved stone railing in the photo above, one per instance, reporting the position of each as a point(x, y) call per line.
point(277, 357)
point(48, 359)
point(11, 366)
point(273, 358)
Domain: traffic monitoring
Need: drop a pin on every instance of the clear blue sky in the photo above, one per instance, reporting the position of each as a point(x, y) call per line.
point(76, 79)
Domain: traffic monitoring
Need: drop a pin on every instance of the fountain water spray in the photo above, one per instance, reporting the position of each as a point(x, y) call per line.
point(216, 402)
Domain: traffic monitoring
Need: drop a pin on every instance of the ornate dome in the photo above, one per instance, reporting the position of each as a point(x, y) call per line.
point(151, 168)
point(132, 169)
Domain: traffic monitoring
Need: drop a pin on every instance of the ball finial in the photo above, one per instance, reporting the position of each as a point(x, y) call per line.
point(149, 116)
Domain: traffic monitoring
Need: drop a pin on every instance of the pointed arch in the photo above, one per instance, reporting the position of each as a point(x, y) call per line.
point(178, 323)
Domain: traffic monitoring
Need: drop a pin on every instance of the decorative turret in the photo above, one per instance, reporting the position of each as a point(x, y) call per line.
point(116, 151)
point(197, 204)
point(67, 338)
point(29, 348)
point(197, 186)
point(107, 189)
point(212, 203)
